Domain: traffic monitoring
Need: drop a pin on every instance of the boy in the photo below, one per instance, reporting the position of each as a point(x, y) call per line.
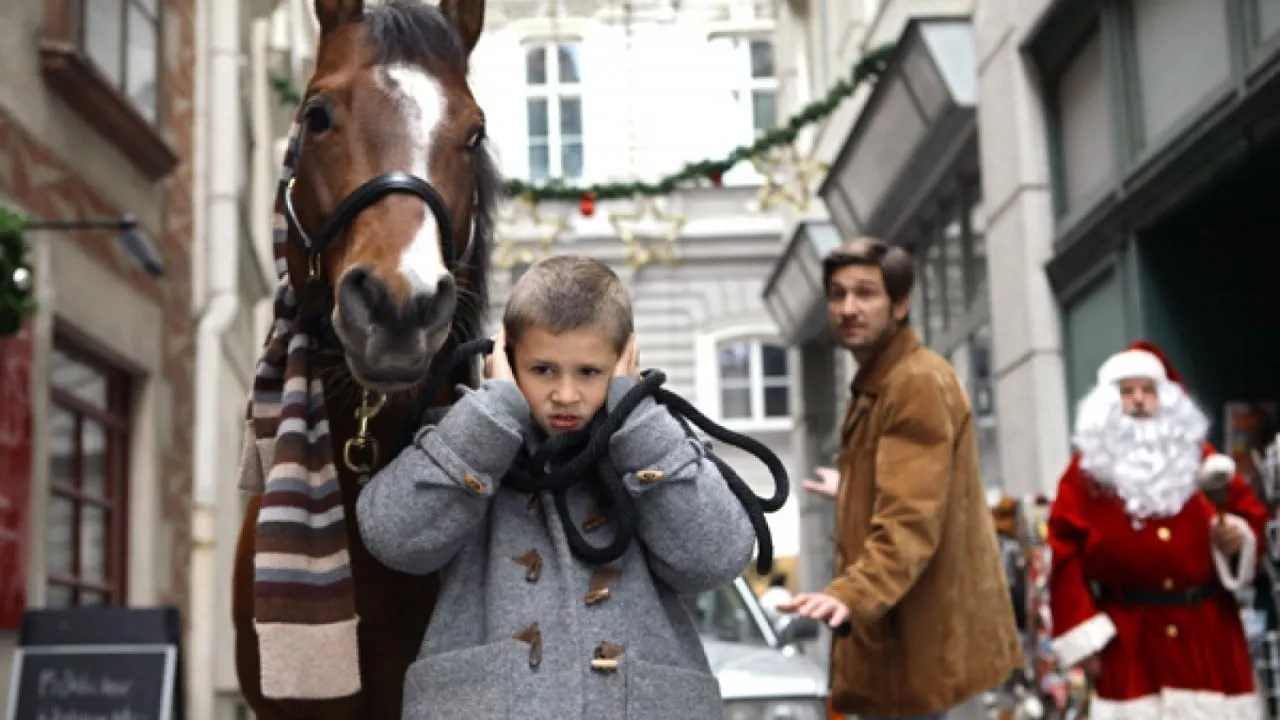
point(523, 627)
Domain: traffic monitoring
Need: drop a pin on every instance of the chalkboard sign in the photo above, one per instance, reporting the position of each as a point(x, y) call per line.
point(93, 682)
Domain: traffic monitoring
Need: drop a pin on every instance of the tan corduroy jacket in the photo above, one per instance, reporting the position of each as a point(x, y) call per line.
point(915, 545)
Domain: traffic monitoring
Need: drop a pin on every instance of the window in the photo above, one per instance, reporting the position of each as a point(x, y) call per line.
point(754, 381)
point(1085, 153)
point(752, 82)
point(120, 36)
point(1183, 54)
point(88, 475)
point(553, 83)
point(1267, 25)
point(723, 614)
point(1092, 327)
point(103, 57)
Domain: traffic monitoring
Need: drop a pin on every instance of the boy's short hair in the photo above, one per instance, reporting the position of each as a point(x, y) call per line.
point(569, 292)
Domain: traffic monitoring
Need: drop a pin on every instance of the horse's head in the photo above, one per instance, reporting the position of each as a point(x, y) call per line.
point(393, 190)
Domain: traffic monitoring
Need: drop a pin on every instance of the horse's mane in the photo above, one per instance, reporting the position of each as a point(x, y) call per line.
point(413, 32)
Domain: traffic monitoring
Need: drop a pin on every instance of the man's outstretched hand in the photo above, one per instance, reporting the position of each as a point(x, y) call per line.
point(818, 606)
point(827, 484)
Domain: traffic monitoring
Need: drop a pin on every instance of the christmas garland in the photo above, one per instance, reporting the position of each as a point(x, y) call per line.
point(16, 299)
point(869, 68)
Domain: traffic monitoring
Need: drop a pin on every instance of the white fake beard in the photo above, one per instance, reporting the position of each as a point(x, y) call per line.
point(1151, 463)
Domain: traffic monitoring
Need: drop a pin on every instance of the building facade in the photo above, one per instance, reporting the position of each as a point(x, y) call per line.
point(96, 122)
point(589, 92)
point(1065, 174)
point(1147, 128)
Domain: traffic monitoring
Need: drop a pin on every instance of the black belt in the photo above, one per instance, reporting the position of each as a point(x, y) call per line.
point(1182, 597)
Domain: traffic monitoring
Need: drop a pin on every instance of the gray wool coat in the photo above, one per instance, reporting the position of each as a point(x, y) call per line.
point(522, 628)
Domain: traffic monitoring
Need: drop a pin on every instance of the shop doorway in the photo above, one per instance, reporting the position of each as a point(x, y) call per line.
point(1209, 287)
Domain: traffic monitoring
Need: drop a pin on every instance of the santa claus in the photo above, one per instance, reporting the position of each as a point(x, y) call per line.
point(1144, 563)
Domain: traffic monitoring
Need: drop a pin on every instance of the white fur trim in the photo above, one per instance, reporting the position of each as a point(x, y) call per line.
point(1131, 364)
point(1175, 704)
point(1246, 564)
point(1083, 640)
point(1218, 464)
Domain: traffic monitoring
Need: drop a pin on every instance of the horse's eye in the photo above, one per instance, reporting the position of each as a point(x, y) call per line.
point(474, 138)
point(319, 118)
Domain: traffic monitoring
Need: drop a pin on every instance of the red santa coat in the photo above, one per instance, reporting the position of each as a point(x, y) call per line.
point(1184, 661)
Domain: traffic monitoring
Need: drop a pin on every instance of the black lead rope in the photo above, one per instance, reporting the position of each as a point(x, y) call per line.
point(541, 471)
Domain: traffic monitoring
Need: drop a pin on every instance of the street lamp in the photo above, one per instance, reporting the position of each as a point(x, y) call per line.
point(132, 238)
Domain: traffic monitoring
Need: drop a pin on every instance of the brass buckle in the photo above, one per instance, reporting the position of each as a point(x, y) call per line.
point(360, 453)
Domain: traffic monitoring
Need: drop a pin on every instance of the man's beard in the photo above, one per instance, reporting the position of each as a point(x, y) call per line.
point(1150, 462)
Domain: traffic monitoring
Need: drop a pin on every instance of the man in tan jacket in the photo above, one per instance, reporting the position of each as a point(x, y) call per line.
point(920, 589)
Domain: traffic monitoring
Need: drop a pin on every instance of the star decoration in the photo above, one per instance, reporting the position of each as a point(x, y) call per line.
point(788, 178)
point(649, 234)
point(510, 251)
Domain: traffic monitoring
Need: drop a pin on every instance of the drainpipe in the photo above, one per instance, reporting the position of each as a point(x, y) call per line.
point(220, 123)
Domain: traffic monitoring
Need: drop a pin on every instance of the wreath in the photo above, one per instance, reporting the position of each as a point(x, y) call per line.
point(17, 300)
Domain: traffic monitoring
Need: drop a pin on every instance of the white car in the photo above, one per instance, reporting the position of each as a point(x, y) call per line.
point(762, 674)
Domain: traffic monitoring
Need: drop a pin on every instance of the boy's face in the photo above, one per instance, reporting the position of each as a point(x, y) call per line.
point(564, 378)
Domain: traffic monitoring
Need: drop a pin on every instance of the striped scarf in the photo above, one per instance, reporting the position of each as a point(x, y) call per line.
point(304, 601)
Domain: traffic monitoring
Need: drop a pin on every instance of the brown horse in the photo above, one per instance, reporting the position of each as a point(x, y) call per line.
point(391, 214)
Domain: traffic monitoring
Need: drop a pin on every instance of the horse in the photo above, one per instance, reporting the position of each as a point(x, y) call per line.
point(389, 227)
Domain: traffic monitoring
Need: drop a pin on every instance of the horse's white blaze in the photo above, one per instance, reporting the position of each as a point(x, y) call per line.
point(422, 103)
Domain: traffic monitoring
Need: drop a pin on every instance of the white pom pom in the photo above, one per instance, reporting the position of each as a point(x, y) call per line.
point(1218, 464)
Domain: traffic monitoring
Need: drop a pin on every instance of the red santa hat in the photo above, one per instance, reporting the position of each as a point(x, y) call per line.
point(1142, 359)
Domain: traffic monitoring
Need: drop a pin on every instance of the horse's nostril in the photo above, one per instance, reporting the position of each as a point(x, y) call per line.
point(433, 311)
point(362, 297)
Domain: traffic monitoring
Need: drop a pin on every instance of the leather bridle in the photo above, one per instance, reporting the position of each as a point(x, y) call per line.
point(396, 182)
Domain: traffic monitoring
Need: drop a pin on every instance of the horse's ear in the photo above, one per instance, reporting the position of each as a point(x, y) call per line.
point(467, 17)
point(333, 14)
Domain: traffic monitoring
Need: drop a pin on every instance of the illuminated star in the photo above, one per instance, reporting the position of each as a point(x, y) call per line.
point(649, 234)
point(521, 215)
point(788, 178)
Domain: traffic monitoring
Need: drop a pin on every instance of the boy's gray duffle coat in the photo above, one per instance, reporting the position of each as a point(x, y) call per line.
point(524, 629)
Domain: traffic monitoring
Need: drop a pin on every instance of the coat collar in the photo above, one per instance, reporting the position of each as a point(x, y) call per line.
point(872, 375)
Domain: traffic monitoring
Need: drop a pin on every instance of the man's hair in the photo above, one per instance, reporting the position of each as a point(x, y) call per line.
point(569, 292)
point(896, 266)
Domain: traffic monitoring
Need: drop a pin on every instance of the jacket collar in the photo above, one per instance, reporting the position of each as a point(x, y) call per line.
point(872, 375)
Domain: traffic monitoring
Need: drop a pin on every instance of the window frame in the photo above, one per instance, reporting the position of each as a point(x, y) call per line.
point(553, 91)
point(116, 420)
point(77, 79)
point(711, 383)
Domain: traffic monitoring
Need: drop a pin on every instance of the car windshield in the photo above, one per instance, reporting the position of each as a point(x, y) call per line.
point(723, 614)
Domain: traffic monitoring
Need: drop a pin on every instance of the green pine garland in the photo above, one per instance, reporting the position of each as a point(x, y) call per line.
point(869, 68)
point(17, 300)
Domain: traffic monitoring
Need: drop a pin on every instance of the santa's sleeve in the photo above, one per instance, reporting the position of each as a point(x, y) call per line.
point(1079, 629)
point(1246, 512)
